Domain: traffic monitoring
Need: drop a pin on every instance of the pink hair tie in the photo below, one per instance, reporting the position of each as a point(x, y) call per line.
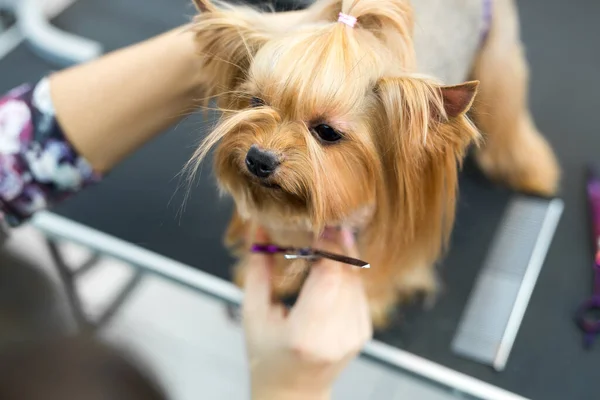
point(347, 19)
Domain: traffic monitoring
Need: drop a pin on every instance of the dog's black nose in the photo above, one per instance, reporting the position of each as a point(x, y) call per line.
point(261, 163)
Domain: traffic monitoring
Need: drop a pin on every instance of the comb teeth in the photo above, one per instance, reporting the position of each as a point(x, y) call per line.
point(504, 285)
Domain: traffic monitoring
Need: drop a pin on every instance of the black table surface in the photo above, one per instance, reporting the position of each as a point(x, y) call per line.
point(137, 201)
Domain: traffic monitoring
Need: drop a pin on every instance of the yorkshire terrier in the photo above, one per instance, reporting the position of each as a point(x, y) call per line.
point(354, 113)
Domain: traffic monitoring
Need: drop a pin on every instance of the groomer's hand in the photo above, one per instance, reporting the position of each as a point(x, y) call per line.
point(298, 354)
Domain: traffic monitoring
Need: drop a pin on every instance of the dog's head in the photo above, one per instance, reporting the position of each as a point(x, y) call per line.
point(322, 122)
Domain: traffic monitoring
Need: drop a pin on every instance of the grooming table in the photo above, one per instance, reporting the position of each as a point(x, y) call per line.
point(136, 202)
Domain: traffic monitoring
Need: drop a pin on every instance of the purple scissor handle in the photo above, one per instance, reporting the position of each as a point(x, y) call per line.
point(307, 253)
point(588, 315)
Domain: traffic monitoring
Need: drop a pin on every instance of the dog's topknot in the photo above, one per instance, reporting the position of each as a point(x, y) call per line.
point(391, 21)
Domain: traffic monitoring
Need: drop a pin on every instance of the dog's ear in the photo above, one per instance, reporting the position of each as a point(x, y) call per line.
point(227, 39)
point(422, 134)
point(204, 5)
point(418, 108)
point(458, 99)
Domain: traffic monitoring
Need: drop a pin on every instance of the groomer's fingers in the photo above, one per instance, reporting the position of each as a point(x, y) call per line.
point(349, 243)
point(351, 307)
point(257, 289)
point(257, 235)
point(338, 240)
point(332, 309)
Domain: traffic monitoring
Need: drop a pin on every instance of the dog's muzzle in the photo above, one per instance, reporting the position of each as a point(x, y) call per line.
point(261, 163)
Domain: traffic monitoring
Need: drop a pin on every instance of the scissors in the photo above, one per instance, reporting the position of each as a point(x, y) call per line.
point(588, 315)
point(307, 253)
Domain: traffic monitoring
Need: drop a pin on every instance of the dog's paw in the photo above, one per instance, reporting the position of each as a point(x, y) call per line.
point(380, 316)
point(381, 311)
point(419, 283)
point(528, 165)
point(383, 300)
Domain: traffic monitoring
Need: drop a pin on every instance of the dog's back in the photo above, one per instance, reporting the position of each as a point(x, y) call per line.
point(448, 34)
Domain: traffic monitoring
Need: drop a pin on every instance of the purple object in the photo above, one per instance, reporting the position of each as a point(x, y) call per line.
point(487, 20)
point(293, 253)
point(588, 315)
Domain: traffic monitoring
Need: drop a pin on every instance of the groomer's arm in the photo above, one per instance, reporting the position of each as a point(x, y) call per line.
point(111, 106)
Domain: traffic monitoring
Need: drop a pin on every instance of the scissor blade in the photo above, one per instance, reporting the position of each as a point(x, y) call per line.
point(312, 254)
point(343, 259)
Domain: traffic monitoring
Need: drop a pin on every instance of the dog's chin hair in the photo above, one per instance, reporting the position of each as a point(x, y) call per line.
point(300, 224)
point(282, 218)
point(277, 217)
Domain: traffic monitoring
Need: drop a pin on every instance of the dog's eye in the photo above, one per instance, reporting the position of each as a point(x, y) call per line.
point(256, 102)
point(326, 133)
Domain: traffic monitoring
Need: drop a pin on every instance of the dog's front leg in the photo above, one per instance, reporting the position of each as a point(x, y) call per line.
point(514, 151)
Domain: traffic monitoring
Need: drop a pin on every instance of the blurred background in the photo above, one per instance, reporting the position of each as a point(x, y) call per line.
point(189, 339)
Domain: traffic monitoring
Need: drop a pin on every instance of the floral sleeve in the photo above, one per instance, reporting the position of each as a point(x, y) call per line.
point(38, 165)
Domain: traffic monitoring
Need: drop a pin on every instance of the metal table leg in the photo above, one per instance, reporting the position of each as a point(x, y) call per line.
point(69, 278)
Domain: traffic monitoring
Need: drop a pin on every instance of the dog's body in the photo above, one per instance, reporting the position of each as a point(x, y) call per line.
point(337, 129)
point(448, 35)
